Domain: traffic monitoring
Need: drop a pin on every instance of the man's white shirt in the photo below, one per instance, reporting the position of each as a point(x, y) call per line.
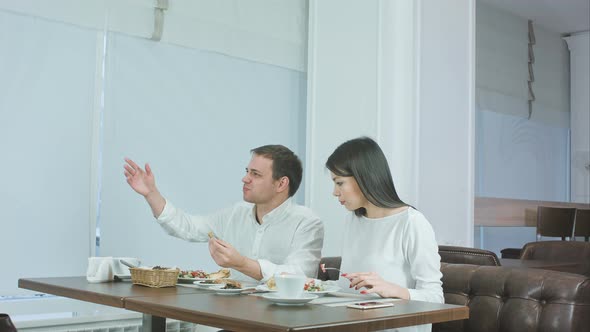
point(289, 239)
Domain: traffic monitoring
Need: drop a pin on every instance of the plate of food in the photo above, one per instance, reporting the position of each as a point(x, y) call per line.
point(230, 287)
point(191, 276)
point(312, 286)
point(208, 283)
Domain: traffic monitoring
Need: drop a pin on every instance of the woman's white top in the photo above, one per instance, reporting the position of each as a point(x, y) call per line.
point(401, 248)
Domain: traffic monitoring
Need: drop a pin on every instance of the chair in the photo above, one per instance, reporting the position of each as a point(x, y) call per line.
point(582, 224)
point(513, 253)
point(560, 251)
point(464, 255)
point(555, 222)
point(6, 324)
point(330, 262)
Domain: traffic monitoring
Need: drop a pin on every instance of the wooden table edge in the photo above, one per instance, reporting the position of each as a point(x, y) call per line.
point(458, 312)
point(31, 284)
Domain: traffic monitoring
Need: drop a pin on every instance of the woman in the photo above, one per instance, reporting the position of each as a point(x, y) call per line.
point(389, 247)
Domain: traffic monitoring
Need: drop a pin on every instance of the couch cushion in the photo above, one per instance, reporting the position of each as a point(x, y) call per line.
point(515, 299)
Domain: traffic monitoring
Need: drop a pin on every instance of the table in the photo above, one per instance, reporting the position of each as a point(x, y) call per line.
point(571, 266)
point(241, 312)
point(507, 212)
point(111, 293)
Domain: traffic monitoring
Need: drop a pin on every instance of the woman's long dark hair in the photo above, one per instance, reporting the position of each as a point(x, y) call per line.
point(363, 159)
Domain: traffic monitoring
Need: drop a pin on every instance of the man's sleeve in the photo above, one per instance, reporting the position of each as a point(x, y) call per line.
point(305, 254)
point(191, 227)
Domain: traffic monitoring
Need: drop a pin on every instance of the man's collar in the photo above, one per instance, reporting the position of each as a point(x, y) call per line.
point(276, 212)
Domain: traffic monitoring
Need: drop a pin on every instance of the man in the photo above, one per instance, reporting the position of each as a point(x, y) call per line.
point(266, 234)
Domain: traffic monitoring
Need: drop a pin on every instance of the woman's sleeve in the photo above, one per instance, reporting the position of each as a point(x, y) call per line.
point(422, 254)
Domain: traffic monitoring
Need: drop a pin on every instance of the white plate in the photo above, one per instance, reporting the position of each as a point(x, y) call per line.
point(305, 297)
point(186, 280)
point(192, 280)
point(328, 289)
point(205, 284)
point(232, 291)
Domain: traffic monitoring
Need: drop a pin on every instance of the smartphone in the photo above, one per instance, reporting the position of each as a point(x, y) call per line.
point(370, 305)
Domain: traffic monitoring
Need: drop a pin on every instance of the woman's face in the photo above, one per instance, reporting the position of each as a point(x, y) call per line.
point(347, 190)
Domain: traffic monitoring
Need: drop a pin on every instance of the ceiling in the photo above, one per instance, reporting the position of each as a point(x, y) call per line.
point(563, 16)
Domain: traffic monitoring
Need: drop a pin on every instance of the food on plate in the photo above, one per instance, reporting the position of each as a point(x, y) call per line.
point(312, 286)
point(271, 284)
point(210, 282)
point(230, 284)
point(192, 274)
point(223, 273)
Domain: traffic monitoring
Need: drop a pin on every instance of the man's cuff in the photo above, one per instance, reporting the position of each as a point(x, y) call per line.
point(267, 269)
point(167, 213)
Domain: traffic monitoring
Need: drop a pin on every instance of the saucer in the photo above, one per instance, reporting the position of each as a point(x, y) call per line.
point(276, 299)
point(328, 289)
point(231, 291)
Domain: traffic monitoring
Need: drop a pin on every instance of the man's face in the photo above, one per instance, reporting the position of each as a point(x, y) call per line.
point(259, 186)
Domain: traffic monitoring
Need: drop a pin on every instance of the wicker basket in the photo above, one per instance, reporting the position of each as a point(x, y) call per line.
point(154, 278)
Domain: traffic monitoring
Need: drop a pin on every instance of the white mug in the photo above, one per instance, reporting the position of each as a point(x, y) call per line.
point(290, 286)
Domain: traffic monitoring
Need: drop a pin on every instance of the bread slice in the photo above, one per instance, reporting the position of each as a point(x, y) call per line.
point(271, 284)
point(223, 273)
point(229, 282)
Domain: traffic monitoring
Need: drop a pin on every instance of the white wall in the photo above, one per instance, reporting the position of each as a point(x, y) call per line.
point(362, 81)
point(46, 103)
point(267, 31)
point(446, 110)
point(579, 46)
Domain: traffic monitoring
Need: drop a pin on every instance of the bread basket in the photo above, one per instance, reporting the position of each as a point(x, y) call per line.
point(154, 278)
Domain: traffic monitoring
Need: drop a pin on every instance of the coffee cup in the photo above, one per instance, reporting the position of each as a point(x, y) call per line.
point(290, 285)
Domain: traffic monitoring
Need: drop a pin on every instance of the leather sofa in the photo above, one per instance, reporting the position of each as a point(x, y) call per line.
point(560, 251)
point(515, 299)
point(466, 255)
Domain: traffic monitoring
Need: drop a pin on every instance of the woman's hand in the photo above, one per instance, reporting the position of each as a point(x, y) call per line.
point(373, 283)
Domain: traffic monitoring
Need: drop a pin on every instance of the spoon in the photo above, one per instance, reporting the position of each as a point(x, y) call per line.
point(126, 263)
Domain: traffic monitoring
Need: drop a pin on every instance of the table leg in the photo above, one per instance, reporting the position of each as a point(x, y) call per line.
point(153, 323)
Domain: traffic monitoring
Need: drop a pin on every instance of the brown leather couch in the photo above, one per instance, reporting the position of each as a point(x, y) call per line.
point(515, 299)
point(565, 251)
point(465, 255)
